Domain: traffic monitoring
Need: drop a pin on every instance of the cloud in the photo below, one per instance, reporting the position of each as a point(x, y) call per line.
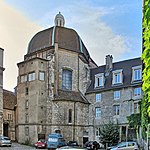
point(97, 36)
point(15, 32)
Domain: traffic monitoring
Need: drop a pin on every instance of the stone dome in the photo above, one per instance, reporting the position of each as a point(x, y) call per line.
point(65, 37)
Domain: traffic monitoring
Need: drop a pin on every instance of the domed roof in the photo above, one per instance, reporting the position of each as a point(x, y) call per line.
point(66, 38)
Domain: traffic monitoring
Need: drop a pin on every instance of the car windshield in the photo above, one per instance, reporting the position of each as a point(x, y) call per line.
point(5, 138)
point(41, 140)
point(122, 144)
point(53, 139)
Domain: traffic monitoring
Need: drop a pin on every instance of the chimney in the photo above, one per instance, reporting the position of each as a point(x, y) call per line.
point(109, 64)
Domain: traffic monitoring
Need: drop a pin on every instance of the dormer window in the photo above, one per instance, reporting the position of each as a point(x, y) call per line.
point(136, 73)
point(117, 77)
point(99, 80)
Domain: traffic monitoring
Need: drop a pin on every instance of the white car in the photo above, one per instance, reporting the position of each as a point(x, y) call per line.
point(5, 141)
point(129, 145)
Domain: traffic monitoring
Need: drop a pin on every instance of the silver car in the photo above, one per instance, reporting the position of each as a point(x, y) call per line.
point(5, 141)
point(125, 146)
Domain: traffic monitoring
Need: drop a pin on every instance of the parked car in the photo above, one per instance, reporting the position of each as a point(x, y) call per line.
point(40, 143)
point(92, 145)
point(5, 141)
point(72, 143)
point(129, 145)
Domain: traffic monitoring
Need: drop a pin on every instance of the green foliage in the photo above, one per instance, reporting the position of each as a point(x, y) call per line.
point(144, 115)
point(146, 54)
point(134, 120)
point(145, 110)
point(109, 133)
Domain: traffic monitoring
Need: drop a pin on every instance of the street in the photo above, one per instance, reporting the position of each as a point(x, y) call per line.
point(16, 146)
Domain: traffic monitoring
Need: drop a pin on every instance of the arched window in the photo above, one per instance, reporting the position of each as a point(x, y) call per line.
point(66, 79)
point(70, 116)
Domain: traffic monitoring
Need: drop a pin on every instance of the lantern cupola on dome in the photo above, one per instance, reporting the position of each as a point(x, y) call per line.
point(59, 20)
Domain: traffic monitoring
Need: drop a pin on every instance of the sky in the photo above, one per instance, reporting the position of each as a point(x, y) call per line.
point(105, 26)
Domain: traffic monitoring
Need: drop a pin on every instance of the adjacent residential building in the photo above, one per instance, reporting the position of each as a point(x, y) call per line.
point(9, 114)
point(115, 93)
point(61, 89)
point(1, 90)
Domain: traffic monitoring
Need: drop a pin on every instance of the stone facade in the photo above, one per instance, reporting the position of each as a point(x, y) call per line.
point(129, 95)
point(9, 114)
point(1, 90)
point(48, 105)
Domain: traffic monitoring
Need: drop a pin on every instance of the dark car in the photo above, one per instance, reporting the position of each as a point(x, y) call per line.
point(93, 145)
point(40, 143)
point(5, 141)
point(72, 143)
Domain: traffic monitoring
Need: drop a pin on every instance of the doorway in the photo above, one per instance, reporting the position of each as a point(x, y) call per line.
point(5, 129)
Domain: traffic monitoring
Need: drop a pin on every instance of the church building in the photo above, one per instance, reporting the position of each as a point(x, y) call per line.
point(52, 81)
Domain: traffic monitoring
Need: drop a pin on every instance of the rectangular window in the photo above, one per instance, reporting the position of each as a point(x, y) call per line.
point(27, 91)
point(136, 107)
point(66, 79)
point(23, 78)
point(99, 80)
point(137, 92)
point(98, 112)
point(117, 77)
point(98, 132)
point(70, 116)
point(27, 104)
point(26, 118)
point(116, 95)
point(26, 131)
point(116, 109)
point(31, 76)
point(137, 73)
point(41, 76)
point(9, 117)
point(98, 97)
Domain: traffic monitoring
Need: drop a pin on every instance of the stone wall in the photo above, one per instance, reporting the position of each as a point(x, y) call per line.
point(1, 90)
point(126, 103)
point(37, 99)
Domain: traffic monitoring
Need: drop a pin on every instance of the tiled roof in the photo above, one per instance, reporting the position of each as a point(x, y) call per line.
point(125, 65)
point(9, 100)
point(71, 96)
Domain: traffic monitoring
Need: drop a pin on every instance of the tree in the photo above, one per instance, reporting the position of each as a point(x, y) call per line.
point(109, 134)
point(145, 110)
point(135, 122)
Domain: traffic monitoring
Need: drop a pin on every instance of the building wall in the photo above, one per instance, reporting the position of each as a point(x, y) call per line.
point(9, 116)
point(37, 99)
point(46, 115)
point(1, 90)
point(126, 103)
